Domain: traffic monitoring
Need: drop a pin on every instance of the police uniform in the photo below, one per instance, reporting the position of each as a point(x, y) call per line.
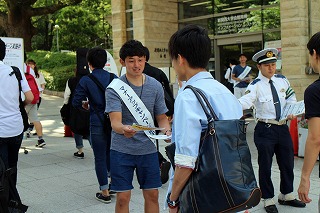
point(271, 136)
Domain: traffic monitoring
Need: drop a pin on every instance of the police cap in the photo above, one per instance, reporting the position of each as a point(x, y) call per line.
point(266, 56)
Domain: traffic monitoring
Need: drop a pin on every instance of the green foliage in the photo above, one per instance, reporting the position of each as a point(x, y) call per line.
point(56, 67)
point(60, 76)
point(84, 25)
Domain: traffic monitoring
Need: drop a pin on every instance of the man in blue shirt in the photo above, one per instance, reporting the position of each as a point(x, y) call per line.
point(240, 74)
point(100, 141)
point(190, 51)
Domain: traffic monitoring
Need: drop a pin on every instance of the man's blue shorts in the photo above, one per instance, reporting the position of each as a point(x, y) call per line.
point(122, 166)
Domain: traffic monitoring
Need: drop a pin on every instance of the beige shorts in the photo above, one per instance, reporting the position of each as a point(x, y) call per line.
point(32, 112)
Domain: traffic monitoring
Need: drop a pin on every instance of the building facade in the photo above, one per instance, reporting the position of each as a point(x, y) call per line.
point(241, 26)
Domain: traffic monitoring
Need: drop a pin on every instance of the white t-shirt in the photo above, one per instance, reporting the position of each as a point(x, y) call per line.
point(10, 117)
point(40, 81)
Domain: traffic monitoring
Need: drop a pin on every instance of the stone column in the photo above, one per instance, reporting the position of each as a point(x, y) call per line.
point(153, 24)
point(118, 27)
point(294, 38)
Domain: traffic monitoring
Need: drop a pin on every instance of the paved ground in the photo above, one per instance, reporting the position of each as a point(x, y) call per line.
point(51, 180)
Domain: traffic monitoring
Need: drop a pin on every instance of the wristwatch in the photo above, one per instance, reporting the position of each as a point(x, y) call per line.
point(172, 204)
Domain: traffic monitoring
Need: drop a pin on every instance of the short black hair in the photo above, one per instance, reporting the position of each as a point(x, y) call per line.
point(2, 50)
point(242, 54)
point(314, 44)
point(132, 48)
point(233, 61)
point(97, 57)
point(193, 43)
point(147, 53)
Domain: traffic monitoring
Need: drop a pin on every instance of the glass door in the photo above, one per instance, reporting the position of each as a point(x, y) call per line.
point(232, 51)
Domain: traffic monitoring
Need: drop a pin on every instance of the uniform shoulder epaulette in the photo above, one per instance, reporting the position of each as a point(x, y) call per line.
point(279, 76)
point(255, 81)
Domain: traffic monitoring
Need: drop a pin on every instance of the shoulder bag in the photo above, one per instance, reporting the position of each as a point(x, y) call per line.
point(223, 179)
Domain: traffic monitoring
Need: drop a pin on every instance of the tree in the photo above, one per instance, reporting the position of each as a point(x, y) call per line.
point(16, 20)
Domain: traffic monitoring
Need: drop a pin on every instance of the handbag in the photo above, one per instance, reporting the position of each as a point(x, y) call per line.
point(223, 179)
point(65, 113)
point(79, 121)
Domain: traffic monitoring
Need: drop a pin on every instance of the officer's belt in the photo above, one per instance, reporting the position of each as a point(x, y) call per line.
point(272, 121)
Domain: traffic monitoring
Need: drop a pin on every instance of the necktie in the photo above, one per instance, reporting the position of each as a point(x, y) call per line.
point(276, 100)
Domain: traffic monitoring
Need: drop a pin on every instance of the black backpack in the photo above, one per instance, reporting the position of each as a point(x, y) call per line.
point(10, 201)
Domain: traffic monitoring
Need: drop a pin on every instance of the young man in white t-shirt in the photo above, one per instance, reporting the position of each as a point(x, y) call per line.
point(11, 123)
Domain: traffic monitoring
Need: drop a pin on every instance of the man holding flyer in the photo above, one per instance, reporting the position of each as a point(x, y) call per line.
point(240, 75)
point(135, 98)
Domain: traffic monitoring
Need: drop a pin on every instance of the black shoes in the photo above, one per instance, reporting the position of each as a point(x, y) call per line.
point(293, 203)
point(41, 143)
point(78, 155)
point(271, 209)
point(164, 171)
point(102, 198)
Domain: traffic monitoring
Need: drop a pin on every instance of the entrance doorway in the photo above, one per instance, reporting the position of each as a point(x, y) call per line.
point(232, 51)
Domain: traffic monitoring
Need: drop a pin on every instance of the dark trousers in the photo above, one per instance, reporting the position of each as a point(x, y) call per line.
point(273, 139)
point(9, 150)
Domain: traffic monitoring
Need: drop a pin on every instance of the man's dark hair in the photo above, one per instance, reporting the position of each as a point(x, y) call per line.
point(233, 61)
point(2, 50)
point(97, 57)
point(132, 48)
point(147, 53)
point(191, 42)
point(242, 54)
point(314, 44)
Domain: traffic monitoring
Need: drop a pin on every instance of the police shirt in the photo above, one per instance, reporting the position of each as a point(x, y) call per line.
point(259, 94)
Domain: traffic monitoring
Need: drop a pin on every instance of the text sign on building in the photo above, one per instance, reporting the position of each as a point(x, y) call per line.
point(162, 52)
point(14, 52)
point(233, 24)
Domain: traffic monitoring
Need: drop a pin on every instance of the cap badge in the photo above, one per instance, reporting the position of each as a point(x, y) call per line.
point(269, 54)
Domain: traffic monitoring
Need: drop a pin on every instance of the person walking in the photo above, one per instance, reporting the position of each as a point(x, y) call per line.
point(135, 98)
point(68, 97)
point(41, 82)
point(190, 51)
point(100, 141)
point(11, 123)
point(312, 113)
point(270, 92)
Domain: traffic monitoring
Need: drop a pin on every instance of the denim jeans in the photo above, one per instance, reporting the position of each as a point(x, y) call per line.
point(79, 140)
point(9, 150)
point(100, 143)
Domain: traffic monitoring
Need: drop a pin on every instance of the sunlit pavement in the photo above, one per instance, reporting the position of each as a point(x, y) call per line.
point(50, 179)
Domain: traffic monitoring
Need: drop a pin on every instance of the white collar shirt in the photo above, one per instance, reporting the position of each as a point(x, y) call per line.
point(258, 94)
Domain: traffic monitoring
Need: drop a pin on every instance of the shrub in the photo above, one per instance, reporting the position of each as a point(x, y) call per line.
point(56, 67)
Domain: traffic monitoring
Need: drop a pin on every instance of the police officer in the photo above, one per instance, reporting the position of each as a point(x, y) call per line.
point(269, 93)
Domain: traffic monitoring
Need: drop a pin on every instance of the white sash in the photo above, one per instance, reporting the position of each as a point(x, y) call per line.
point(134, 104)
point(243, 75)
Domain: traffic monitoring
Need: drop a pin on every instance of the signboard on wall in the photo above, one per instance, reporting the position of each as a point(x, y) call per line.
point(233, 24)
point(14, 52)
point(161, 52)
point(275, 44)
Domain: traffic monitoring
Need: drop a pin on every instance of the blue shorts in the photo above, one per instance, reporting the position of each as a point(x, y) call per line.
point(123, 165)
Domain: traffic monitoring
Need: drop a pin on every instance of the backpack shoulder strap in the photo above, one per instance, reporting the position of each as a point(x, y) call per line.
point(97, 82)
point(18, 75)
point(28, 69)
